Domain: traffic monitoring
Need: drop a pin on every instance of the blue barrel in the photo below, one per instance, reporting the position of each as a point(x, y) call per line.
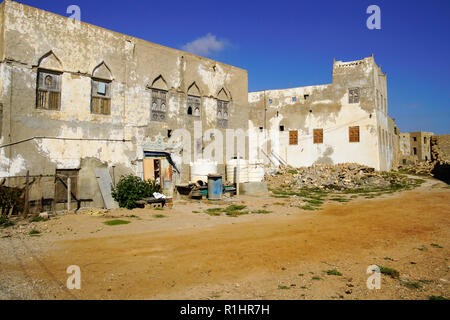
point(215, 187)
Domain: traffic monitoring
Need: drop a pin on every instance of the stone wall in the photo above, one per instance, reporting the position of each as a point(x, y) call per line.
point(440, 148)
point(35, 40)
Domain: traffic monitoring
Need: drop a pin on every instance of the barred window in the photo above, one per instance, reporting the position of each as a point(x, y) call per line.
point(293, 138)
point(354, 134)
point(101, 97)
point(318, 136)
point(353, 95)
point(222, 114)
point(159, 105)
point(194, 106)
point(49, 90)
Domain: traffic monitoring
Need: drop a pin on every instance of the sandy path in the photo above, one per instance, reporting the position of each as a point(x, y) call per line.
point(249, 259)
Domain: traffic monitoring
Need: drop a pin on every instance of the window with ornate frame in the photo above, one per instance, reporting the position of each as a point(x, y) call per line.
point(222, 113)
point(194, 106)
point(353, 95)
point(158, 105)
point(48, 90)
point(101, 97)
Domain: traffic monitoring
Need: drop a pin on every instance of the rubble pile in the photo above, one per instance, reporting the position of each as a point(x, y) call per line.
point(424, 168)
point(333, 177)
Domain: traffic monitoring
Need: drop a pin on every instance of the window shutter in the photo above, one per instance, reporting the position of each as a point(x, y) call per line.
point(354, 134)
point(293, 138)
point(318, 136)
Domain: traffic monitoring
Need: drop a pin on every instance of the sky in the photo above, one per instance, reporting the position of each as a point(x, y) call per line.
point(284, 44)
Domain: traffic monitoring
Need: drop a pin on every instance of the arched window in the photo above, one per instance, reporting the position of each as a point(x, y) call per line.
point(194, 100)
point(159, 99)
point(48, 93)
point(101, 90)
point(222, 109)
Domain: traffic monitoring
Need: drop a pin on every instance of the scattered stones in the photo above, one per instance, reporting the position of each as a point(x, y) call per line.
point(333, 177)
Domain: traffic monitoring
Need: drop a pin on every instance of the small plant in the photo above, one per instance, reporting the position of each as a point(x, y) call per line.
point(436, 245)
point(158, 209)
point(195, 211)
point(7, 236)
point(390, 272)
point(34, 232)
point(309, 208)
point(316, 278)
point(339, 199)
point(283, 287)
point(334, 272)
point(261, 211)
point(437, 298)
point(159, 216)
point(5, 222)
point(234, 207)
point(116, 222)
point(300, 274)
point(411, 285)
point(214, 211)
point(37, 219)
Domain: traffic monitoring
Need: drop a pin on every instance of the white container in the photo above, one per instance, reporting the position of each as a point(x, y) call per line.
point(256, 171)
point(231, 171)
point(201, 169)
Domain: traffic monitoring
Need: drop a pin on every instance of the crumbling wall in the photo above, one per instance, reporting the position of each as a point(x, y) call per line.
point(62, 139)
point(325, 107)
point(440, 148)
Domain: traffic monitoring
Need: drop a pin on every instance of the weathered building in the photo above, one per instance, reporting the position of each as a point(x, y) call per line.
point(345, 121)
point(415, 146)
point(75, 97)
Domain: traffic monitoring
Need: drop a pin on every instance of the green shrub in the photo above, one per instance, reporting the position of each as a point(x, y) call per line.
point(390, 272)
point(131, 189)
point(334, 272)
point(5, 222)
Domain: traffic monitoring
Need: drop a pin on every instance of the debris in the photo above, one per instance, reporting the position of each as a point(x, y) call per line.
point(332, 177)
point(44, 215)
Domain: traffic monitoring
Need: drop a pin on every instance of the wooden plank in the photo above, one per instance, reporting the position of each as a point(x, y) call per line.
point(149, 169)
point(105, 182)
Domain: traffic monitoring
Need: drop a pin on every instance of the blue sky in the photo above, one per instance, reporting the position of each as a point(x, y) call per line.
point(286, 44)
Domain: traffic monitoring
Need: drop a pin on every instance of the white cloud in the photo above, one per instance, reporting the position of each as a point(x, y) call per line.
point(206, 45)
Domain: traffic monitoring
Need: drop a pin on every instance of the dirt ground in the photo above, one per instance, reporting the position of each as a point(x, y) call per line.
point(184, 253)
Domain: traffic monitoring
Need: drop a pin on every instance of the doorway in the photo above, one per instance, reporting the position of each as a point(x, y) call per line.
point(159, 169)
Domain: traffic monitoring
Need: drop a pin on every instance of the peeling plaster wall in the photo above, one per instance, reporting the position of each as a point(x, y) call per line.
point(324, 107)
point(421, 141)
point(38, 39)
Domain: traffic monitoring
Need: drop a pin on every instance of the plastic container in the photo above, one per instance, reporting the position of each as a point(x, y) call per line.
point(215, 187)
point(256, 171)
point(231, 170)
point(201, 169)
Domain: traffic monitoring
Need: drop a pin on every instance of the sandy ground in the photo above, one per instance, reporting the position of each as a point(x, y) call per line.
point(281, 255)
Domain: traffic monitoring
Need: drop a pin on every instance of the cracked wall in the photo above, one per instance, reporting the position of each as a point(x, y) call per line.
point(326, 107)
point(35, 40)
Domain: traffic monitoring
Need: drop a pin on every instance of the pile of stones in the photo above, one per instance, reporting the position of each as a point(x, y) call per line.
point(424, 168)
point(332, 177)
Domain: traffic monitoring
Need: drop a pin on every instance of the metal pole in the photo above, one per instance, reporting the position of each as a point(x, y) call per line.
point(238, 174)
point(69, 184)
